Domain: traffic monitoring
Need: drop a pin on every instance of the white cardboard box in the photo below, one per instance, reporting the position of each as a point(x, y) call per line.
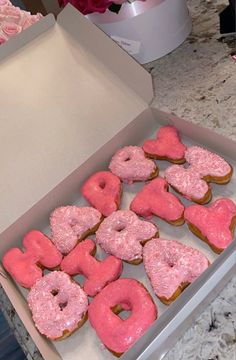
point(69, 98)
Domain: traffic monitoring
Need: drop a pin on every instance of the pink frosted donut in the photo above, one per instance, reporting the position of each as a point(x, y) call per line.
point(188, 182)
point(103, 191)
point(26, 267)
point(97, 273)
point(209, 165)
point(122, 234)
point(124, 294)
point(130, 164)
point(58, 305)
point(166, 146)
point(214, 224)
point(171, 266)
point(154, 199)
point(71, 224)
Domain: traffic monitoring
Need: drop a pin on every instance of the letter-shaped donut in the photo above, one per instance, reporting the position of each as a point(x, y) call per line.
point(154, 199)
point(214, 224)
point(171, 266)
point(103, 191)
point(123, 235)
point(58, 305)
point(204, 167)
point(71, 224)
point(98, 273)
point(124, 294)
point(23, 266)
point(130, 164)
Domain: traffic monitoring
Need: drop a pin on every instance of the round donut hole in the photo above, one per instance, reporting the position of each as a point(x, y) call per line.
point(102, 184)
point(54, 292)
point(63, 305)
point(119, 311)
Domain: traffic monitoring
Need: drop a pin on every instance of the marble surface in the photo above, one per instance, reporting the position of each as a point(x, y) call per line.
point(197, 81)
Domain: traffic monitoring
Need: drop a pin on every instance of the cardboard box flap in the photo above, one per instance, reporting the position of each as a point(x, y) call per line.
point(59, 104)
point(17, 42)
point(108, 52)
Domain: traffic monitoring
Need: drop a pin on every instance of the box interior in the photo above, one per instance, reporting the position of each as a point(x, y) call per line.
point(142, 127)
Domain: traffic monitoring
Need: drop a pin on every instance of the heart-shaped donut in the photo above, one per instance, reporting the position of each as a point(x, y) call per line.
point(171, 266)
point(188, 182)
point(103, 191)
point(154, 199)
point(122, 235)
point(71, 224)
point(214, 224)
point(166, 146)
point(211, 167)
point(130, 164)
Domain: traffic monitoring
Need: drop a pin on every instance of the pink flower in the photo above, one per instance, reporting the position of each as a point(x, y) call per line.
point(10, 14)
point(88, 6)
point(2, 40)
point(10, 29)
point(30, 20)
point(5, 2)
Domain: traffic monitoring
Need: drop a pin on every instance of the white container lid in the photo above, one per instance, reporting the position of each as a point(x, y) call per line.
point(66, 89)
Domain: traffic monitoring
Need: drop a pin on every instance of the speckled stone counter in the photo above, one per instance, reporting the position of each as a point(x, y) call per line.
point(197, 81)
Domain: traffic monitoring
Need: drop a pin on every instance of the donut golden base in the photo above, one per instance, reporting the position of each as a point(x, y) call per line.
point(221, 180)
point(198, 233)
point(177, 222)
point(67, 333)
point(139, 261)
point(154, 174)
point(175, 295)
point(206, 199)
point(155, 157)
point(90, 231)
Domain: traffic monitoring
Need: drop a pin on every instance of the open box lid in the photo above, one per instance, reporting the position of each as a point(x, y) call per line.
point(66, 89)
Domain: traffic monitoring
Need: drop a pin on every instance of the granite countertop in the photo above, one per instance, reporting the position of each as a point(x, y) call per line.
point(197, 81)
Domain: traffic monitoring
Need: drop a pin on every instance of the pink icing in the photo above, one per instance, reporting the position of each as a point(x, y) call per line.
point(57, 304)
point(103, 191)
point(130, 164)
point(213, 222)
point(23, 267)
point(120, 234)
point(119, 335)
point(167, 144)
point(169, 264)
point(206, 162)
point(69, 224)
point(97, 273)
point(187, 181)
point(154, 199)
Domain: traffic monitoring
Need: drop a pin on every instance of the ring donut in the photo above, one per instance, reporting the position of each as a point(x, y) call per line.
point(124, 294)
